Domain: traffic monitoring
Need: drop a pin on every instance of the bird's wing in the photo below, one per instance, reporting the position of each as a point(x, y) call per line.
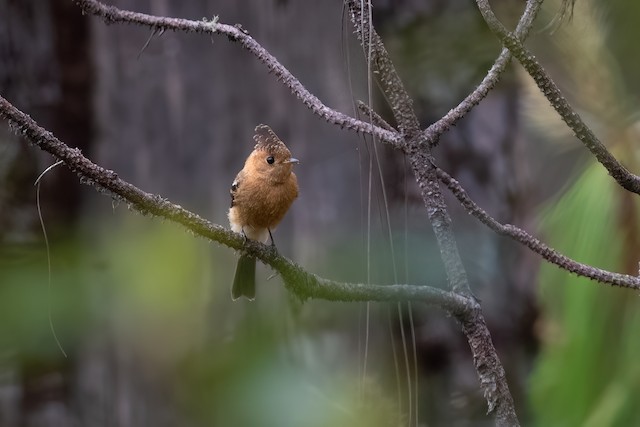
point(234, 187)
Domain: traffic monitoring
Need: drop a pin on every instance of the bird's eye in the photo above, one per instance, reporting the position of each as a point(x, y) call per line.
point(270, 160)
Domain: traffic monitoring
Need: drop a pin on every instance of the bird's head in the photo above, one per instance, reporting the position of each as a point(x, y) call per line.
point(270, 157)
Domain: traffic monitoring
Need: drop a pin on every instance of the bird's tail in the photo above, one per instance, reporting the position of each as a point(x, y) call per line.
point(244, 282)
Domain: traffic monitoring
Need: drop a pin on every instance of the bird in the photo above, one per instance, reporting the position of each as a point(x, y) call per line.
point(261, 195)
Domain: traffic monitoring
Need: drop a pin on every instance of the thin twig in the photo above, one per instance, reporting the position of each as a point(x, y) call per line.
point(46, 243)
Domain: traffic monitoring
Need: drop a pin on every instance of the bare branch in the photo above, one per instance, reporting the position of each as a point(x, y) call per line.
point(303, 284)
point(521, 236)
point(626, 179)
point(236, 33)
point(435, 131)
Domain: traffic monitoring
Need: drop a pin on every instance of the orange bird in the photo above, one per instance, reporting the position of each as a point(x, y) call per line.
point(261, 195)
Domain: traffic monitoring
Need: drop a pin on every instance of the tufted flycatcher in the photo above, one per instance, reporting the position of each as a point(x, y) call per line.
point(261, 194)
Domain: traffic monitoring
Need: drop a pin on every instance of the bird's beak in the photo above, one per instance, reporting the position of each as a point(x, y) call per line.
point(293, 160)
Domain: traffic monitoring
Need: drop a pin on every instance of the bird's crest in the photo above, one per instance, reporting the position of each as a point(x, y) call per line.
point(266, 139)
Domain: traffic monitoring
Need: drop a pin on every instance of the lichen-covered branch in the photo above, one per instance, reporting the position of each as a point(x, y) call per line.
point(492, 376)
point(236, 33)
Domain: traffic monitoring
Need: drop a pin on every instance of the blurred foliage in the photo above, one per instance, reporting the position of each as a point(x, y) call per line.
point(143, 294)
point(246, 373)
point(587, 373)
point(250, 382)
point(26, 300)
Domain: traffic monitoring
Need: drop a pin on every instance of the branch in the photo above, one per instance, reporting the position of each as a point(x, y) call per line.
point(626, 179)
point(380, 63)
point(236, 33)
point(486, 361)
point(521, 236)
point(435, 131)
point(421, 160)
point(492, 376)
point(375, 117)
point(300, 282)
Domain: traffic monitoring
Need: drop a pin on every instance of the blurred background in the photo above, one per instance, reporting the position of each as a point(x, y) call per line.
point(142, 309)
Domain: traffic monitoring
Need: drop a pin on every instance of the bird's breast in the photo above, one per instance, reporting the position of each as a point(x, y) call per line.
point(263, 204)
